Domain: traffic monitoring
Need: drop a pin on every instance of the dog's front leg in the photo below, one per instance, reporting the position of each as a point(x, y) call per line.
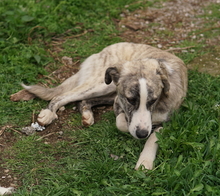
point(148, 154)
point(82, 92)
point(121, 122)
point(85, 107)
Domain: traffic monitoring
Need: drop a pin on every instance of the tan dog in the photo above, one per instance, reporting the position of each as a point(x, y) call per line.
point(145, 84)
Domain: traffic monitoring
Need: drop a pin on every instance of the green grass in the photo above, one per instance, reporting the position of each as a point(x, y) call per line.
point(188, 159)
point(187, 162)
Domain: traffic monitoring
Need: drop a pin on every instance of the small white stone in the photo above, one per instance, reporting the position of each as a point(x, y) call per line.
point(6, 170)
point(60, 132)
point(159, 46)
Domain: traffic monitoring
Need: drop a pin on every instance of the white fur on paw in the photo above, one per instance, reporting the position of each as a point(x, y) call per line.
point(6, 191)
point(87, 118)
point(121, 122)
point(146, 164)
point(46, 117)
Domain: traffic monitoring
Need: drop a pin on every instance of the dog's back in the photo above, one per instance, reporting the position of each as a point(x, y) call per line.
point(92, 70)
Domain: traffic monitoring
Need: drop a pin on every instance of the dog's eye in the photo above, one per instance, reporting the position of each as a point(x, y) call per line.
point(150, 103)
point(132, 101)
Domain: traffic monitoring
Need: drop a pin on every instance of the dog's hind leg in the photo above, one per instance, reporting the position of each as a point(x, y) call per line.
point(85, 107)
point(149, 152)
point(82, 92)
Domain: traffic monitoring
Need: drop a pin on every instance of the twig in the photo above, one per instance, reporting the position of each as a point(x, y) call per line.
point(15, 130)
point(4, 128)
point(79, 35)
point(44, 136)
point(30, 32)
point(51, 78)
point(184, 48)
point(71, 36)
point(33, 116)
point(8, 127)
point(1, 132)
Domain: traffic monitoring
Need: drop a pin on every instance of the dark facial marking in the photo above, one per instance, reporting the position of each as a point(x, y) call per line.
point(151, 102)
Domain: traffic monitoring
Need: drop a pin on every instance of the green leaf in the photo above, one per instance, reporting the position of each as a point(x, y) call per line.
point(27, 18)
point(140, 174)
point(195, 144)
point(159, 193)
point(209, 188)
point(197, 188)
point(177, 172)
point(180, 159)
point(37, 58)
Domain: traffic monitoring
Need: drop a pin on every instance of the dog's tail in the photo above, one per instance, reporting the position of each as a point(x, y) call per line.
point(42, 92)
point(49, 93)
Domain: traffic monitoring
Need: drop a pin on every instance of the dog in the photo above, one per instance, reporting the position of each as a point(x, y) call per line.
point(144, 84)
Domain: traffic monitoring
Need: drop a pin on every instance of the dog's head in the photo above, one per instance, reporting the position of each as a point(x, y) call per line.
point(140, 85)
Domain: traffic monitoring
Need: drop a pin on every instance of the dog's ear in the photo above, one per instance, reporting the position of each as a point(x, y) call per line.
point(111, 74)
point(162, 71)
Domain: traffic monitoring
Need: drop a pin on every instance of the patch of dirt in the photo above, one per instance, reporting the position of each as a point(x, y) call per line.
point(164, 26)
point(208, 63)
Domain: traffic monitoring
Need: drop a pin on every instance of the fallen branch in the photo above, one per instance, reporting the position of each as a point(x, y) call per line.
point(184, 48)
point(22, 95)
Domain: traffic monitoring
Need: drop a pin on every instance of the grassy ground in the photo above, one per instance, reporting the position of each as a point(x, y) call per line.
point(81, 161)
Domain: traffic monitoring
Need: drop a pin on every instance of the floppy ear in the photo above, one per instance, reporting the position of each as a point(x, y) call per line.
point(164, 77)
point(111, 74)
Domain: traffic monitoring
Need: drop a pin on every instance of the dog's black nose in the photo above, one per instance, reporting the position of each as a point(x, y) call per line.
point(141, 133)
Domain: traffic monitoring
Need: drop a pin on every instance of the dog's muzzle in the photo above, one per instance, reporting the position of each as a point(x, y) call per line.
point(141, 133)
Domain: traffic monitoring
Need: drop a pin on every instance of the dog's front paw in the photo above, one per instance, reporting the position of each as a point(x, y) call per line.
point(121, 122)
point(6, 191)
point(87, 117)
point(145, 163)
point(46, 117)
